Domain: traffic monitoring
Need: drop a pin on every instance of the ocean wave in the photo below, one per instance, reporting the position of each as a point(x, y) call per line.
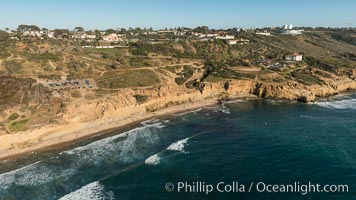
point(342, 104)
point(92, 191)
point(153, 160)
point(154, 123)
point(32, 175)
point(275, 101)
point(234, 101)
point(127, 138)
point(188, 112)
point(178, 146)
point(224, 109)
point(123, 149)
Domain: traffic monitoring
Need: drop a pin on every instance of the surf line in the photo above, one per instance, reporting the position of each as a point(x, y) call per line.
point(134, 166)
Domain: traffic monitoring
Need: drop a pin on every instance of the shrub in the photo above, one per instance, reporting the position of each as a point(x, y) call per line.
point(19, 125)
point(12, 66)
point(13, 116)
point(141, 98)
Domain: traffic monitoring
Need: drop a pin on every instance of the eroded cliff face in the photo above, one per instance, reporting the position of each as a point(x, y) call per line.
point(304, 93)
point(124, 104)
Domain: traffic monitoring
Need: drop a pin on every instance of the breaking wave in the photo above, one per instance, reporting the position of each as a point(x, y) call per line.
point(341, 104)
point(224, 109)
point(153, 160)
point(92, 191)
point(122, 149)
point(154, 123)
point(178, 146)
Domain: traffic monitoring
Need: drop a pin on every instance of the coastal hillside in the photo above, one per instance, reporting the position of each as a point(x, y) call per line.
point(50, 84)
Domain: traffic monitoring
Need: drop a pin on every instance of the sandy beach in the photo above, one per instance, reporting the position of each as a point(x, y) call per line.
point(65, 135)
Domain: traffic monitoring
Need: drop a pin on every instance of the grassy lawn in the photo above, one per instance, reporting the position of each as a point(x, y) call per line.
point(126, 79)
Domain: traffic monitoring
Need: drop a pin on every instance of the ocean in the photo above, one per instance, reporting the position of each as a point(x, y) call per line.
point(255, 149)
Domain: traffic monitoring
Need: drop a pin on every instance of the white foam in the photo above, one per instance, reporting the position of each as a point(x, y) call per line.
point(92, 191)
point(178, 146)
point(342, 104)
point(123, 148)
point(153, 160)
point(224, 109)
point(150, 121)
point(31, 175)
point(234, 101)
point(154, 123)
point(188, 112)
point(275, 101)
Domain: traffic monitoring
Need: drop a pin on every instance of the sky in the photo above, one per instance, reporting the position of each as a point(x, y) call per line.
point(104, 14)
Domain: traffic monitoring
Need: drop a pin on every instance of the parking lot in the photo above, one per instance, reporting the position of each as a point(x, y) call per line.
point(67, 85)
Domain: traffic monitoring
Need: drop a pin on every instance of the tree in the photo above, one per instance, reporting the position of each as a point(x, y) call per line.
point(123, 31)
point(138, 30)
point(79, 29)
point(22, 28)
point(34, 28)
point(109, 31)
point(3, 35)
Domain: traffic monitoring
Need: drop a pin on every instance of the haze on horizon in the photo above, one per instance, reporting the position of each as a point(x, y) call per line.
point(95, 14)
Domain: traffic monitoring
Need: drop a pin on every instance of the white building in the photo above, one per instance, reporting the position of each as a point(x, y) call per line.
point(33, 33)
point(288, 27)
point(294, 57)
point(232, 42)
point(50, 34)
point(84, 36)
point(263, 33)
point(293, 32)
point(240, 41)
point(225, 37)
point(113, 37)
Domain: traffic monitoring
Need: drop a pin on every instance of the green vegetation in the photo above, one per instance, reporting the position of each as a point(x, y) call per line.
point(129, 78)
point(19, 125)
point(13, 116)
point(184, 75)
point(321, 65)
point(12, 66)
point(173, 69)
point(192, 84)
point(306, 77)
point(17, 91)
point(141, 98)
point(143, 49)
point(342, 36)
point(43, 57)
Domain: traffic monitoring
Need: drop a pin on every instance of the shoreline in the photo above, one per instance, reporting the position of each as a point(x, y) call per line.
point(83, 135)
point(70, 138)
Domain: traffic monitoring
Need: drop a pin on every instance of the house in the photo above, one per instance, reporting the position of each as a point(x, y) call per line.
point(232, 42)
point(292, 32)
point(113, 37)
point(240, 41)
point(288, 30)
point(33, 33)
point(225, 37)
point(263, 33)
point(84, 36)
point(294, 57)
point(50, 34)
